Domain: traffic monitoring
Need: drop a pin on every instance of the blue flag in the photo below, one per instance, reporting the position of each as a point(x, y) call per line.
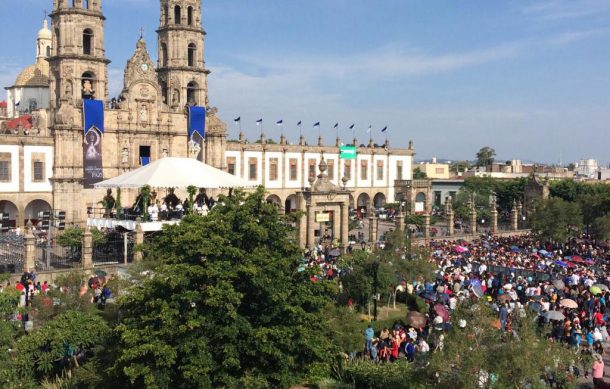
point(336, 125)
point(237, 119)
point(299, 123)
point(259, 121)
point(196, 121)
point(317, 124)
point(93, 115)
point(351, 127)
point(279, 122)
point(384, 129)
point(369, 130)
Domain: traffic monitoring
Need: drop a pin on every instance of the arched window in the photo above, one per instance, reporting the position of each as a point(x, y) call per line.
point(177, 15)
point(57, 42)
point(85, 4)
point(164, 91)
point(48, 51)
point(190, 16)
point(87, 83)
point(192, 50)
point(191, 93)
point(87, 41)
point(166, 14)
point(163, 54)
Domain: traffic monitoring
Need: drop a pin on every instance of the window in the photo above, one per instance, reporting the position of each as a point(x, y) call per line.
point(347, 169)
point(252, 169)
point(190, 16)
point(177, 15)
point(312, 168)
point(364, 170)
point(48, 51)
point(440, 170)
point(192, 50)
point(399, 170)
point(5, 167)
point(38, 167)
point(164, 91)
point(163, 54)
point(191, 93)
point(293, 169)
point(87, 41)
point(57, 41)
point(231, 164)
point(144, 155)
point(379, 170)
point(166, 14)
point(437, 198)
point(273, 162)
point(331, 169)
point(87, 89)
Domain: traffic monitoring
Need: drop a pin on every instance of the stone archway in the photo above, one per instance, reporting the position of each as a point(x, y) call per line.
point(379, 200)
point(420, 202)
point(290, 205)
point(7, 207)
point(33, 209)
point(274, 199)
point(352, 202)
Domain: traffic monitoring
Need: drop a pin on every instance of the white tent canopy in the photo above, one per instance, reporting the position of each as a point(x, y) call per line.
point(173, 172)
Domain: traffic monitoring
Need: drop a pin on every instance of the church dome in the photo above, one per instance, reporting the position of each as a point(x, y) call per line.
point(44, 32)
point(36, 75)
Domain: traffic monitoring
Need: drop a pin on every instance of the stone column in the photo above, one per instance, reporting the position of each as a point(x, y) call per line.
point(311, 218)
point(450, 223)
point(427, 225)
point(29, 263)
point(519, 213)
point(473, 221)
point(344, 226)
point(372, 227)
point(514, 218)
point(400, 221)
point(302, 223)
point(139, 241)
point(87, 248)
point(494, 221)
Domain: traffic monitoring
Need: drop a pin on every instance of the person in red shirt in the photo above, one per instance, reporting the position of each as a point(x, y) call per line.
point(598, 319)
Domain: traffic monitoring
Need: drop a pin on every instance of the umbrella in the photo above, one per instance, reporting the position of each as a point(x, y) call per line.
point(559, 284)
point(478, 291)
point(561, 263)
point(515, 249)
point(101, 273)
point(444, 297)
point(508, 286)
point(536, 256)
point(595, 289)
point(544, 252)
point(461, 249)
point(602, 286)
point(334, 253)
point(568, 303)
point(416, 319)
point(442, 311)
point(577, 259)
point(431, 296)
point(535, 306)
point(554, 315)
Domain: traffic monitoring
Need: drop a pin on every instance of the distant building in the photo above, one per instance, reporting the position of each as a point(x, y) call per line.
point(433, 169)
point(517, 169)
point(587, 168)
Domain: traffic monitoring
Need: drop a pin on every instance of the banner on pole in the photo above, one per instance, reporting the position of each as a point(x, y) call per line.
point(93, 126)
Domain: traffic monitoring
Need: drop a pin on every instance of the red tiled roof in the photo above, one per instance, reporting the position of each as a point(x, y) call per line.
point(3, 104)
point(25, 121)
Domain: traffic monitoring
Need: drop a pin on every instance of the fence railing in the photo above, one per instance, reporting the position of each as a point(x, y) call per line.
point(56, 257)
point(11, 255)
point(117, 250)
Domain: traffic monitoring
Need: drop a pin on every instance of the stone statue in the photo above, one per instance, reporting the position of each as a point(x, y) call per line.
point(125, 155)
point(88, 92)
point(144, 114)
point(68, 91)
point(164, 152)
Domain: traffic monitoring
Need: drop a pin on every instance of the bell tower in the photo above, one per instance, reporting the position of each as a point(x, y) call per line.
point(79, 68)
point(78, 71)
point(181, 67)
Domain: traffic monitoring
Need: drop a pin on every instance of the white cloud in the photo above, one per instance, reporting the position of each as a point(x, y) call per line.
point(566, 9)
point(570, 37)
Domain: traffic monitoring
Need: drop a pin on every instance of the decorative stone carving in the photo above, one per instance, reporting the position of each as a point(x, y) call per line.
point(65, 114)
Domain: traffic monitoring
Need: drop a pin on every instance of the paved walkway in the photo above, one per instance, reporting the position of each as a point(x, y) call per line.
point(588, 382)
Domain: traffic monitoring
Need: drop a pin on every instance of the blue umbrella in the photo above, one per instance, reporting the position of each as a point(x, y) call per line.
point(544, 252)
point(561, 263)
point(515, 249)
point(429, 296)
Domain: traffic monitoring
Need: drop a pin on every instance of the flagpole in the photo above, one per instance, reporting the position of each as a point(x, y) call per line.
point(300, 129)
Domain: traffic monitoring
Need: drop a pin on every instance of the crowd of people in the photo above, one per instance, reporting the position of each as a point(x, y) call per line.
point(565, 287)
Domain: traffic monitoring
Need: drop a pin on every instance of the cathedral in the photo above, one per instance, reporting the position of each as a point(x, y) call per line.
point(74, 134)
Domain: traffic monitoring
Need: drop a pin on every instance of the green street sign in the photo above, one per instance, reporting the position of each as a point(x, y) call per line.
point(347, 152)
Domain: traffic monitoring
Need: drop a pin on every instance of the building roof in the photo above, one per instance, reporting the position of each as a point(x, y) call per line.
point(24, 121)
point(36, 75)
point(44, 32)
point(3, 104)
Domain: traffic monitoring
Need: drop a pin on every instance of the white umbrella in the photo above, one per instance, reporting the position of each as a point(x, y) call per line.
point(176, 173)
point(568, 303)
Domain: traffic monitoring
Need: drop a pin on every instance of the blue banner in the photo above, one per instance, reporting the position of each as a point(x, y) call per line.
point(93, 118)
point(196, 121)
point(93, 115)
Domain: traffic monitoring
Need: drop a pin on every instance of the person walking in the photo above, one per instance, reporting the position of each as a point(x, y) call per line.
point(598, 372)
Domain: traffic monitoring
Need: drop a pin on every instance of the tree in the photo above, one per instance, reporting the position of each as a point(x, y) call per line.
point(556, 220)
point(226, 307)
point(485, 156)
point(459, 167)
point(418, 174)
point(601, 227)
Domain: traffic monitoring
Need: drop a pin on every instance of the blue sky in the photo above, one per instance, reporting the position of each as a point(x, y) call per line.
point(529, 78)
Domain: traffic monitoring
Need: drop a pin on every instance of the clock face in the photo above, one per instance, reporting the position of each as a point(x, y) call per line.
point(144, 67)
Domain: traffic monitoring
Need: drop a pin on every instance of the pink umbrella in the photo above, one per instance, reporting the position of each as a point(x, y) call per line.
point(461, 249)
point(442, 311)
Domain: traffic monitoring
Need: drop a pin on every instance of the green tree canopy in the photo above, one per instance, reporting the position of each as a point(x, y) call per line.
point(556, 219)
point(418, 174)
point(226, 307)
point(485, 156)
